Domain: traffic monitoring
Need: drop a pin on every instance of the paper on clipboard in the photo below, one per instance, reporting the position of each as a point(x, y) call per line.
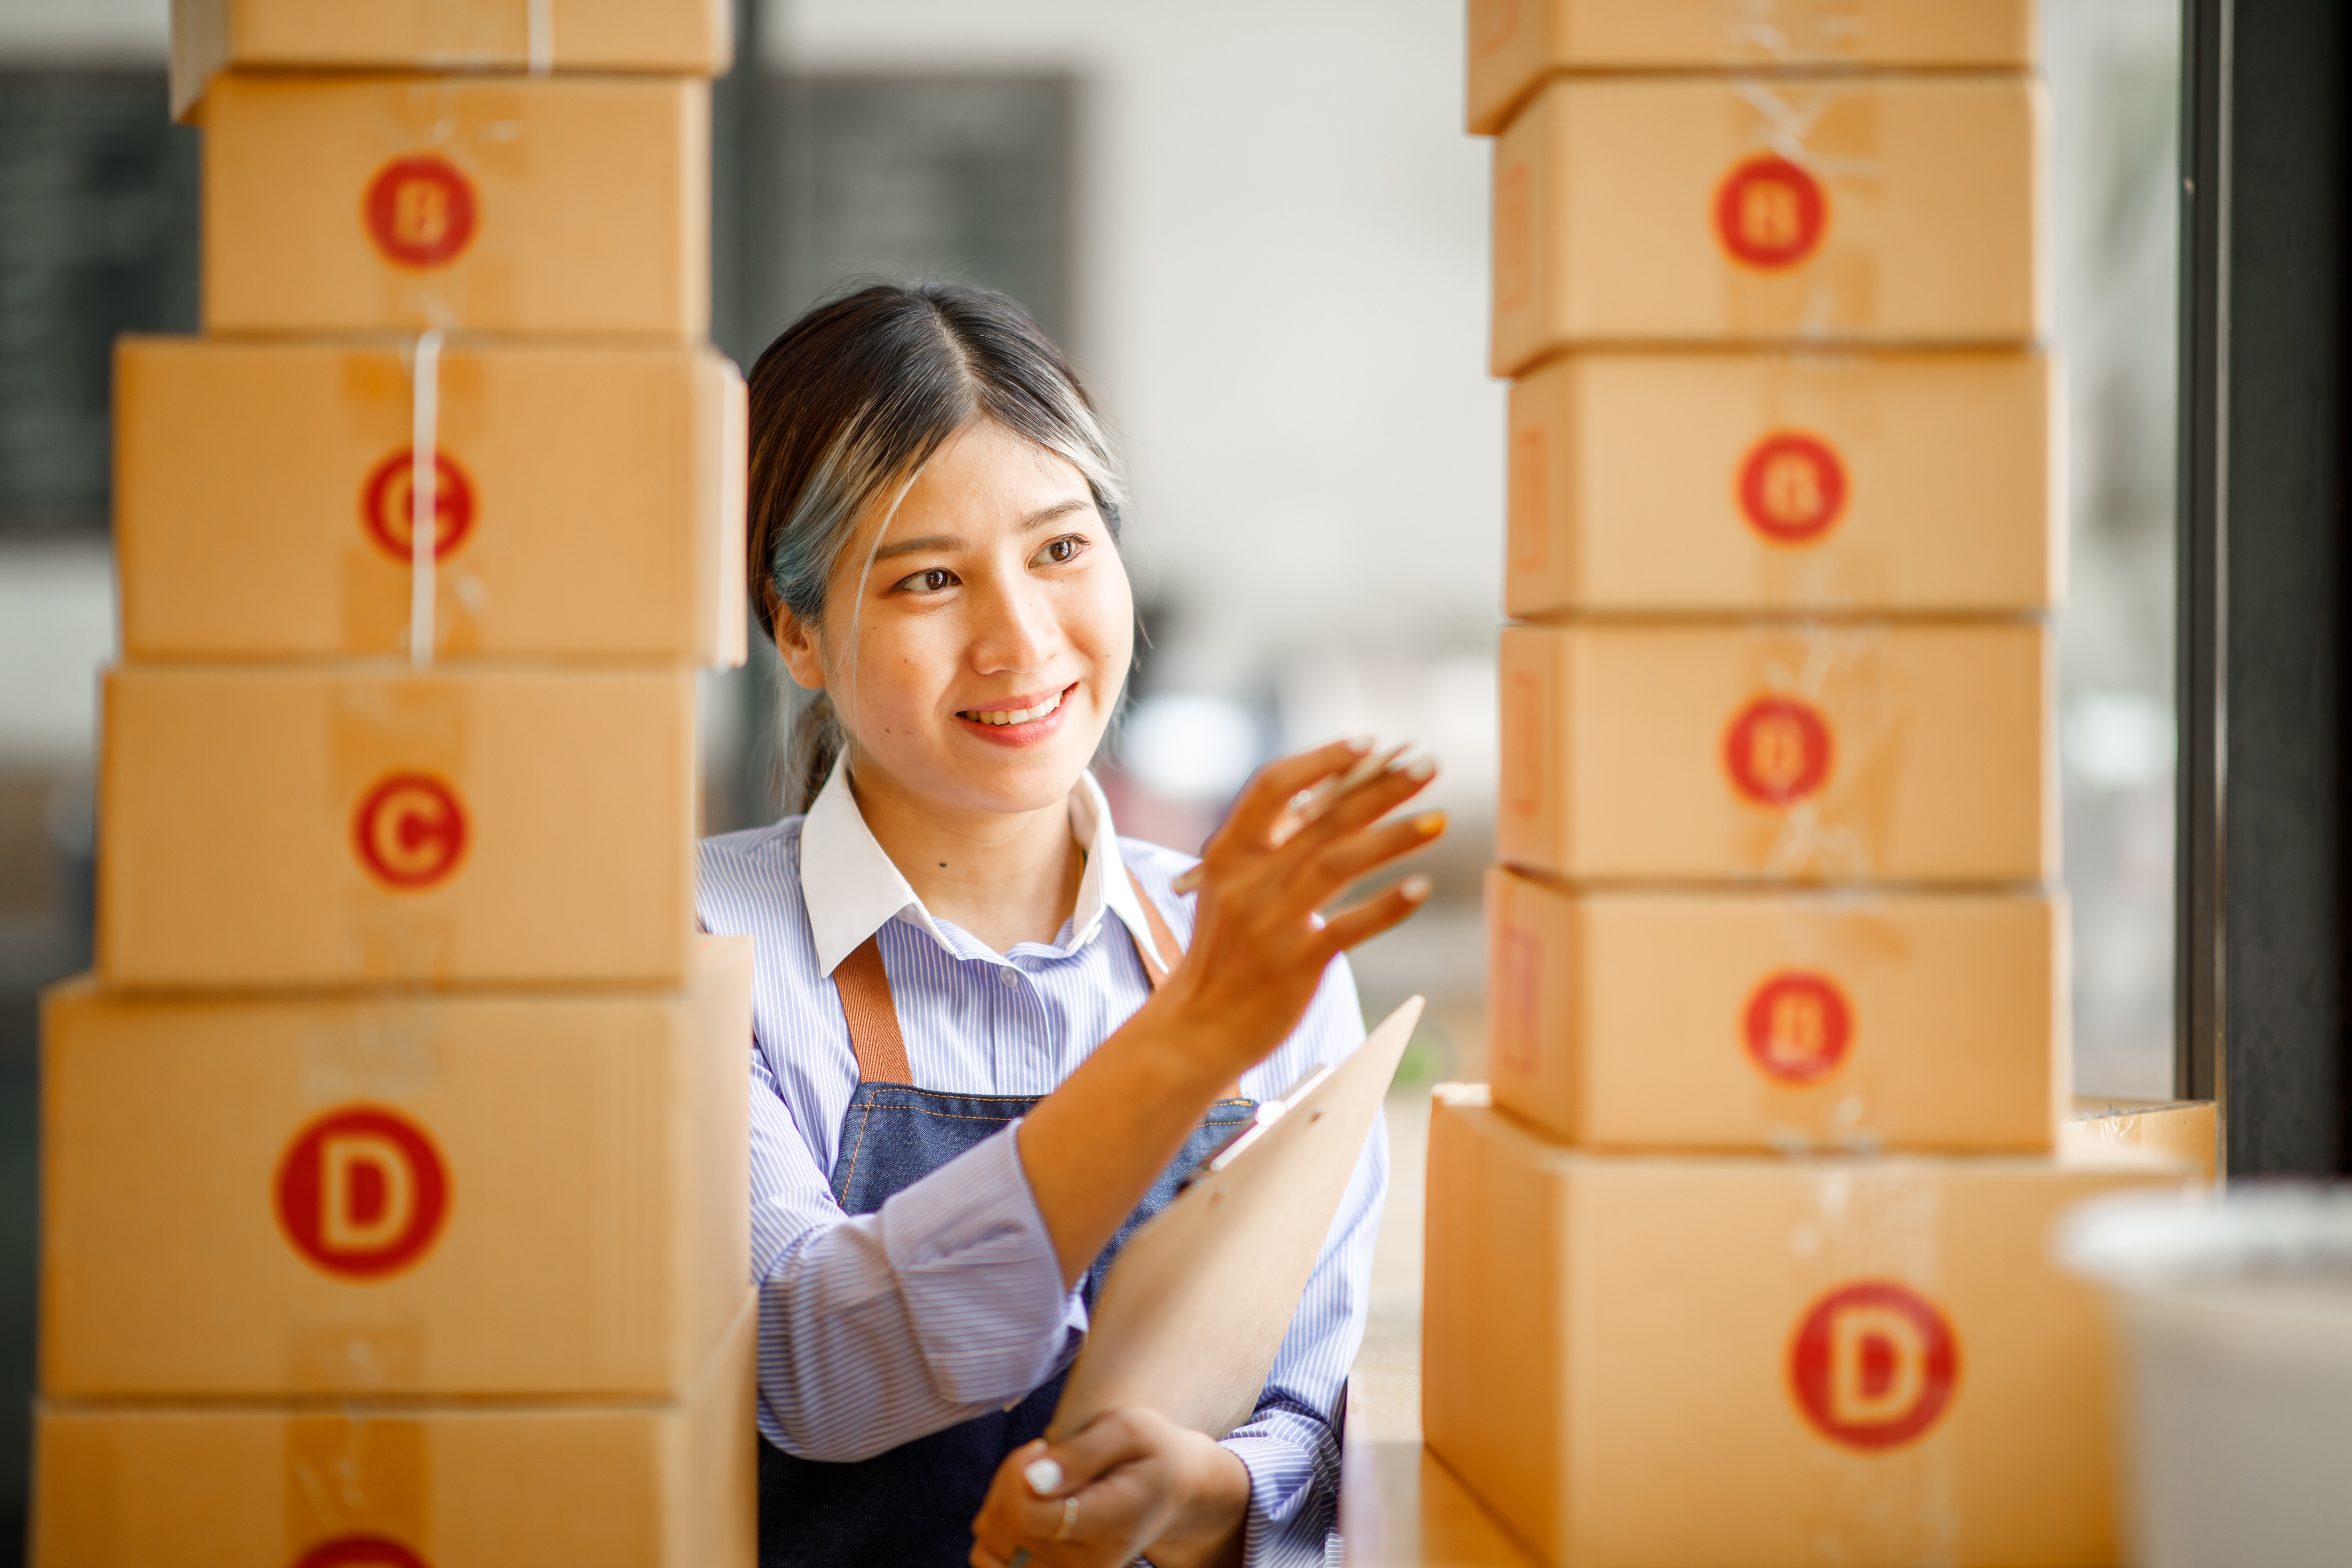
point(1190, 1318)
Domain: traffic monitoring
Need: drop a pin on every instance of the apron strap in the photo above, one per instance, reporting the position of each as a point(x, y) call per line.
point(873, 1016)
point(1161, 937)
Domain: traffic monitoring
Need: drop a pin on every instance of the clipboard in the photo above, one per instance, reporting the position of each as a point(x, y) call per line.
point(1192, 1311)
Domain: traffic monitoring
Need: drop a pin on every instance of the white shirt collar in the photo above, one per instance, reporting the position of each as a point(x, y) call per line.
point(852, 888)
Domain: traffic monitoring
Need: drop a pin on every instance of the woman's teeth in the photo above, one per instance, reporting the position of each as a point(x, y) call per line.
point(1015, 715)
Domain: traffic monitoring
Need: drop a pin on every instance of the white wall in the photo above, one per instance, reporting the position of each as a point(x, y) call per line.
point(84, 29)
point(2114, 71)
point(1283, 304)
point(57, 632)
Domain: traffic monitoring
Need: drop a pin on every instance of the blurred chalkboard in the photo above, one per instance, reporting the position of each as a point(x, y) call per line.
point(97, 237)
point(960, 177)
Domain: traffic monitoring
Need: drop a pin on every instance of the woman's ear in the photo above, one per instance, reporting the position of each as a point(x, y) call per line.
point(796, 643)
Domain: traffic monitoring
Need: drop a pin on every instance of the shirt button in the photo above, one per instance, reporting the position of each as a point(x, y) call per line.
point(1012, 977)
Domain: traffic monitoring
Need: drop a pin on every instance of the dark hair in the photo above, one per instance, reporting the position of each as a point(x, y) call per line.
point(846, 408)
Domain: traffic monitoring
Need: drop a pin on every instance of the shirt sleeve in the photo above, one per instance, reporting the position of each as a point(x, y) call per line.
point(1290, 1445)
point(879, 1328)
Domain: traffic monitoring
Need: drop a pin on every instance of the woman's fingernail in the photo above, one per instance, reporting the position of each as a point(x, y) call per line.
point(1403, 757)
point(1416, 888)
point(1422, 769)
point(1431, 823)
point(1359, 744)
point(1043, 1476)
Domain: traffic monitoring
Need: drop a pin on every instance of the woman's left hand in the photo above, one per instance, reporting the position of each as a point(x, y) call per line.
point(1128, 1482)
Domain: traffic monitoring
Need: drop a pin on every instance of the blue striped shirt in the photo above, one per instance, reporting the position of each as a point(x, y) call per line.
point(879, 1328)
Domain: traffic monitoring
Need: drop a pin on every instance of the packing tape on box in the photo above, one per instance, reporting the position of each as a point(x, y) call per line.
point(1790, 123)
point(1789, 34)
point(423, 205)
point(424, 520)
point(1804, 842)
point(1827, 128)
point(539, 33)
point(354, 1482)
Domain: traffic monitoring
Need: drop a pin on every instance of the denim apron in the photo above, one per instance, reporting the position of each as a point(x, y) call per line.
point(913, 1506)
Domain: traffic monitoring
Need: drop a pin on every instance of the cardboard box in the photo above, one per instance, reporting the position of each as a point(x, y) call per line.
point(1515, 44)
point(2184, 1130)
point(1855, 1020)
point(1813, 208)
point(550, 1485)
point(360, 204)
point(1661, 1362)
point(588, 500)
point(312, 825)
point(1915, 483)
point(1796, 751)
point(427, 1194)
point(677, 38)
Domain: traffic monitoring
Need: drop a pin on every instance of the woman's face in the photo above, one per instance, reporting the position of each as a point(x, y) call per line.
point(975, 659)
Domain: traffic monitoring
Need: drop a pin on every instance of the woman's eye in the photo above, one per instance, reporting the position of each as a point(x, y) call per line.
point(931, 582)
point(1062, 549)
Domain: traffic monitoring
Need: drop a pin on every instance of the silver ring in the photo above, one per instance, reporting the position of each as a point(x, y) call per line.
point(1020, 1558)
point(1069, 1520)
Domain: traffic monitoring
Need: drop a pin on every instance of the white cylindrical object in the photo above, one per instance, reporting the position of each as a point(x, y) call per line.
point(2236, 1405)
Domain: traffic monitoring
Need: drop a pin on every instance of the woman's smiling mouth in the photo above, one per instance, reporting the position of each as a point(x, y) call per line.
point(1006, 716)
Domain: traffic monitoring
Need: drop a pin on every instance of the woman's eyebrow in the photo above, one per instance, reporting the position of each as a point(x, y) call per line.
point(1036, 520)
point(1044, 515)
point(929, 541)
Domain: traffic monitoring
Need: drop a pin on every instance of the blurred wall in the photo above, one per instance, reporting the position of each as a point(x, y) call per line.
point(2115, 73)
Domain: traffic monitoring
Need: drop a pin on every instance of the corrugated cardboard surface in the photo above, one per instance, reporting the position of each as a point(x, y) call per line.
point(2185, 1129)
point(554, 205)
point(1608, 195)
point(1861, 1019)
point(483, 1486)
point(1731, 482)
point(691, 37)
point(339, 824)
point(1514, 43)
point(589, 1150)
point(1616, 1353)
point(1805, 751)
point(262, 507)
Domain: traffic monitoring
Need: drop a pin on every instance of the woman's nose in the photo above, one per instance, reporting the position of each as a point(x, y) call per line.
point(1018, 629)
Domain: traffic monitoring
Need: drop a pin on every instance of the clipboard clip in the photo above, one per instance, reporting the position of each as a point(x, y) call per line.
point(1268, 1112)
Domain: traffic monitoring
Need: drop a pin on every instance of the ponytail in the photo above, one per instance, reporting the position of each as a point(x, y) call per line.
point(810, 751)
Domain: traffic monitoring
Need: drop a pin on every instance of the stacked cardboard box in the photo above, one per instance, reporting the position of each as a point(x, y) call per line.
point(1740, 1260)
point(395, 1156)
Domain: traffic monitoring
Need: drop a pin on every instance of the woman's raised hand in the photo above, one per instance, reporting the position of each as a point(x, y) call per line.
point(1259, 948)
point(1092, 1148)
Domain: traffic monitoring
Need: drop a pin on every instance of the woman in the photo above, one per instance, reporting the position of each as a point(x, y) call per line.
point(991, 1034)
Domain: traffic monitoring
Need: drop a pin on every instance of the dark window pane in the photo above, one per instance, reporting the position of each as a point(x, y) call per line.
point(956, 177)
point(98, 237)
